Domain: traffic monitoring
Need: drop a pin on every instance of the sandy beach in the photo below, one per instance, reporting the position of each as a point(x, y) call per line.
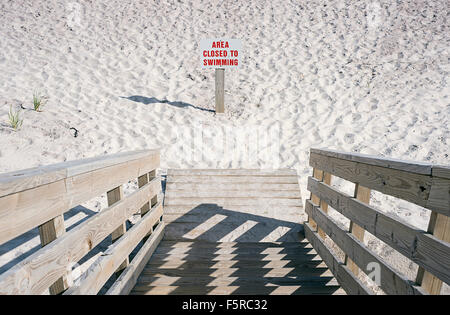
point(361, 76)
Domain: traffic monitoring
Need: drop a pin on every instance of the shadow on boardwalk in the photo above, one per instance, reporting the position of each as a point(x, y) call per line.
point(193, 259)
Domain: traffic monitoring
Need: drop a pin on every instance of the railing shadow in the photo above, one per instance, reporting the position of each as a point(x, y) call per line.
point(256, 263)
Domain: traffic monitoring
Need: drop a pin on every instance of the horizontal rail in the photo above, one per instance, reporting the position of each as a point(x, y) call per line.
point(102, 269)
point(419, 246)
point(396, 164)
point(38, 271)
point(390, 281)
point(17, 181)
point(348, 281)
point(423, 184)
point(57, 188)
point(128, 279)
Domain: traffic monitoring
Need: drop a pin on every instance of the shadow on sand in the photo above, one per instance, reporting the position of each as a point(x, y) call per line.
point(153, 100)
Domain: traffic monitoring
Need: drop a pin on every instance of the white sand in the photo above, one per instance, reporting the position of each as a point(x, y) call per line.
point(369, 77)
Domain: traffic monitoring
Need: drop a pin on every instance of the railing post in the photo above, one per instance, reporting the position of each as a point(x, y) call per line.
point(48, 232)
point(326, 178)
point(151, 176)
point(114, 196)
point(439, 226)
point(143, 180)
point(362, 194)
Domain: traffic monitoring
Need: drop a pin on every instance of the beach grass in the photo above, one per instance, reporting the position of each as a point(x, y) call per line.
point(14, 119)
point(39, 100)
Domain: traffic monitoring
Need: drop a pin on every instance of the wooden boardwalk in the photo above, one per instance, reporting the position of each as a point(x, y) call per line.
point(234, 232)
point(222, 231)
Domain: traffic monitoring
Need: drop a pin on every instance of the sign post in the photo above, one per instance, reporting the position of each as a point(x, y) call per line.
point(220, 90)
point(220, 54)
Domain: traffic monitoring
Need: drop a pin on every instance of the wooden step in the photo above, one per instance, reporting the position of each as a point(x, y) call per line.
point(232, 172)
point(236, 193)
point(200, 244)
point(232, 201)
point(237, 290)
point(183, 264)
point(234, 232)
point(211, 179)
point(262, 209)
point(230, 186)
point(147, 280)
point(233, 250)
point(302, 271)
point(211, 257)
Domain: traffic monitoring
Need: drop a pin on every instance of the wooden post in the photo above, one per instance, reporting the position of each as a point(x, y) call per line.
point(362, 194)
point(48, 232)
point(317, 174)
point(151, 176)
point(439, 226)
point(114, 196)
point(220, 90)
point(142, 180)
point(326, 178)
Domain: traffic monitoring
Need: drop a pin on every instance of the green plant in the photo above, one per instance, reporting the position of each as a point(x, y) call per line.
point(14, 118)
point(38, 101)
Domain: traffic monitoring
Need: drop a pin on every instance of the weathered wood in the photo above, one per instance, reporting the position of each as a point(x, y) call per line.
point(439, 198)
point(396, 164)
point(344, 276)
point(127, 280)
point(250, 256)
point(318, 174)
point(17, 181)
point(154, 199)
point(113, 196)
point(220, 90)
point(235, 263)
point(233, 245)
point(362, 194)
point(302, 272)
point(230, 201)
point(149, 281)
point(291, 267)
point(236, 250)
point(49, 232)
point(442, 171)
point(231, 186)
point(262, 209)
point(237, 290)
point(232, 172)
point(390, 281)
point(212, 179)
point(247, 193)
point(409, 186)
point(439, 226)
point(37, 272)
point(142, 181)
point(326, 178)
point(265, 217)
point(100, 271)
point(422, 248)
point(18, 211)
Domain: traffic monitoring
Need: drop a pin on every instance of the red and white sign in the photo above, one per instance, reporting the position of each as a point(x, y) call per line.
point(220, 53)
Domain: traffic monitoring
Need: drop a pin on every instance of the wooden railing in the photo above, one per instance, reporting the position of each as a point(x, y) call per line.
point(420, 183)
point(39, 197)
